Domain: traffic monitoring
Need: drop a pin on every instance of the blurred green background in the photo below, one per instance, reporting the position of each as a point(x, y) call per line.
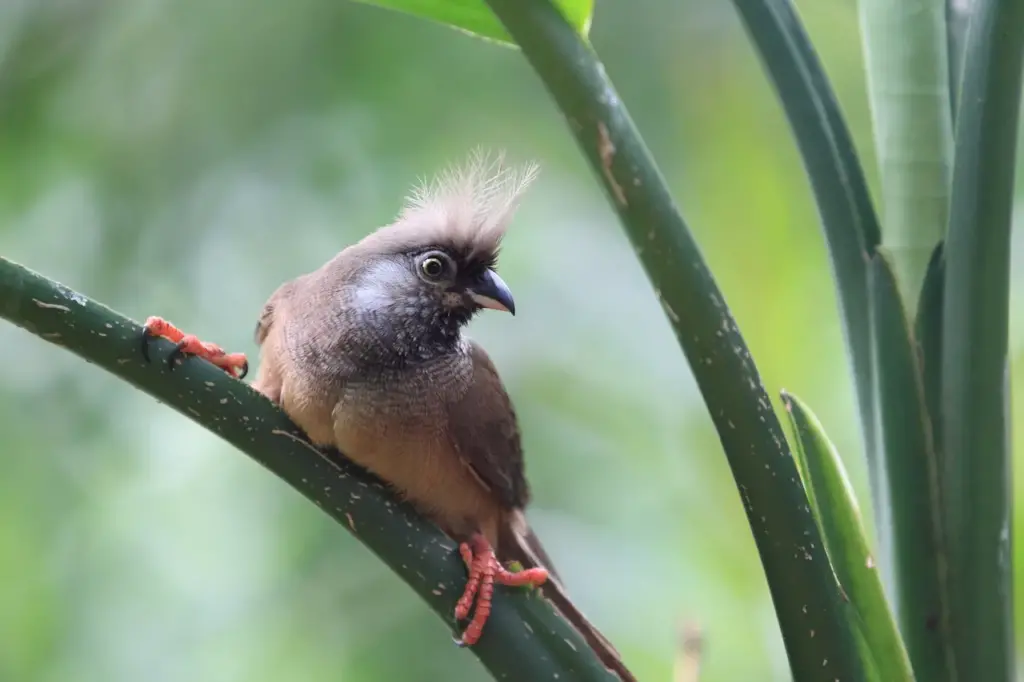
point(184, 158)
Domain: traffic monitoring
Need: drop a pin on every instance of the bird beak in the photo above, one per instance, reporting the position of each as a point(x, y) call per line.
point(490, 291)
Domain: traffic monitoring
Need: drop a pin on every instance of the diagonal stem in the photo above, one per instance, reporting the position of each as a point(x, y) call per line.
point(819, 641)
point(524, 640)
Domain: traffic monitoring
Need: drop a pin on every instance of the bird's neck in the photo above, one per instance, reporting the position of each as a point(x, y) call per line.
point(393, 341)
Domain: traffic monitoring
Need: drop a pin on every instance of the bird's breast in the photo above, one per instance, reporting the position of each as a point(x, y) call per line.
point(398, 429)
point(394, 412)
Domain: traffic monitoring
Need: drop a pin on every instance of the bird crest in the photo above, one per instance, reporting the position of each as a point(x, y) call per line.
point(466, 207)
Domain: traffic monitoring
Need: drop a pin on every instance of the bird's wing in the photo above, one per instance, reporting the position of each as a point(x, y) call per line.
point(485, 434)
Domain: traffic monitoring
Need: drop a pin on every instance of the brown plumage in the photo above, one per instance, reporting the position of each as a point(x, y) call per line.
point(366, 354)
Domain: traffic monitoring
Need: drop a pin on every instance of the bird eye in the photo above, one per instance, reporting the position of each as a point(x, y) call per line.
point(434, 267)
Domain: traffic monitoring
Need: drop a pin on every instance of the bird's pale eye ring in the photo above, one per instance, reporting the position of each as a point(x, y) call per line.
point(435, 267)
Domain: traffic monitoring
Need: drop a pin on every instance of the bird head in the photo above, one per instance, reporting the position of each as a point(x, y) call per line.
point(435, 265)
point(460, 281)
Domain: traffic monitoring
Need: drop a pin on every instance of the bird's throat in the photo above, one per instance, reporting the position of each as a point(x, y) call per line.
point(397, 341)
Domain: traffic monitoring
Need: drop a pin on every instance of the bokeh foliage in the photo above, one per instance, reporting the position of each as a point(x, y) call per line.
point(183, 158)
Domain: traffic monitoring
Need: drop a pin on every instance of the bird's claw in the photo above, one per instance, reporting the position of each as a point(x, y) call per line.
point(234, 364)
point(484, 571)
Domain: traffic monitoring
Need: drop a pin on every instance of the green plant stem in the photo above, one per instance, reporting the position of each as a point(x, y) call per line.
point(819, 641)
point(906, 55)
point(976, 474)
point(524, 638)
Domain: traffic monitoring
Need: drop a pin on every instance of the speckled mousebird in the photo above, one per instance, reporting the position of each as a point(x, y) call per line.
point(367, 355)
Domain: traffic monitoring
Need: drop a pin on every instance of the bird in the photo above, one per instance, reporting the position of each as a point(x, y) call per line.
point(368, 355)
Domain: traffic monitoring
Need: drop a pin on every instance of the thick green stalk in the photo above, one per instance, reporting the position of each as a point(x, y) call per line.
point(906, 53)
point(976, 475)
point(524, 638)
point(818, 639)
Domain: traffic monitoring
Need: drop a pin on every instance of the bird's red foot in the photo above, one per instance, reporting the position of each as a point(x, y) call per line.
point(484, 571)
point(234, 364)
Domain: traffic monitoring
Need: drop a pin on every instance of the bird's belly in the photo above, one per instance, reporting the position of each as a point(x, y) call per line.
point(408, 447)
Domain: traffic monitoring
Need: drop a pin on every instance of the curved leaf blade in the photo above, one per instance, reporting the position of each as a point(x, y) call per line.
point(848, 547)
point(848, 217)
point(475, 18)
point(920, 562)
point(819, 641)
point(928, 333)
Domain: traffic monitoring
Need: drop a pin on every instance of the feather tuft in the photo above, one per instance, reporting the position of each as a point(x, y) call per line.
point(466, 207)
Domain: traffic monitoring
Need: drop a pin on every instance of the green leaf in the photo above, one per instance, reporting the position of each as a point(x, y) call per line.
point(475, 18)
point(907, 64)
point(919, 560)
point(837, 178)
point(818, 638)
point(976, 480)
point(871, 673)
point(847, 543)
point(800, 457)
point(928, 333)
point(525, 638)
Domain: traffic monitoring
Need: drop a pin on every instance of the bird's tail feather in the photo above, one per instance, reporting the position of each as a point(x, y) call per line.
point(518, 542)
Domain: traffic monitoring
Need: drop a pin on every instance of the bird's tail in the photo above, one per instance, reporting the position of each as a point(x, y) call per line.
point(518, 542)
